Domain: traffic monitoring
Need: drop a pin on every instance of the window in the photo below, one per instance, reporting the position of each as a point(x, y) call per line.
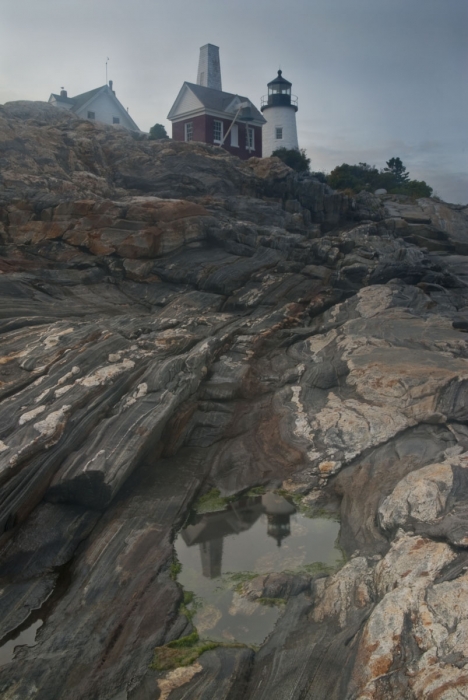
point(189, 131)
point(217, 131)
point(235, 136)
point(91, 115)
point(115, 120)
point(279, 132)
point(250, 139)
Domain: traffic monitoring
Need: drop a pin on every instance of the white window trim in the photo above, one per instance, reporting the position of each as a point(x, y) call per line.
point(235, 130)
point(218, 121)
point(188, 124)
point(250, 130)
point(278, 128)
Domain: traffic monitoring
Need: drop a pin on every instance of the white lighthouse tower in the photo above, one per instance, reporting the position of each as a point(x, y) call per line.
point(279, 109)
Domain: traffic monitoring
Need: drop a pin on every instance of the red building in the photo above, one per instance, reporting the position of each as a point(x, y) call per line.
point(204, 112)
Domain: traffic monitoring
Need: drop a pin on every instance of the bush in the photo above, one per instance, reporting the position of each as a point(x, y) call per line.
point(415, 189)
point(296, 159)
point(394, 178)
point(355, 177)
point(158, 131)
point(320, 176)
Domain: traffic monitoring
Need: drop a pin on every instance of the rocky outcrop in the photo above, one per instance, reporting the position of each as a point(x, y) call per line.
point(174, 319)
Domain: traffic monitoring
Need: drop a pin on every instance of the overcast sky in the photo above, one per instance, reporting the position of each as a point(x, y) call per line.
point(375, 78)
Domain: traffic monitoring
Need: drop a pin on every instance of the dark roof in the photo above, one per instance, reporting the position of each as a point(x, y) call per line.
point(218, 100)
point(80, 100)
point(279, 79)
point(60, 98)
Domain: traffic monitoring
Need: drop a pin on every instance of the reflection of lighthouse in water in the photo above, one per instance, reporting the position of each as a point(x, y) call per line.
point(278, 511)
point(209, 530)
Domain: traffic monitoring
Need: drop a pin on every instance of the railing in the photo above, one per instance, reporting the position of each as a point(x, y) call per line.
point(265, 103)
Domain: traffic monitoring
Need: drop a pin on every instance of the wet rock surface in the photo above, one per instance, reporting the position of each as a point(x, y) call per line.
point(174, 320)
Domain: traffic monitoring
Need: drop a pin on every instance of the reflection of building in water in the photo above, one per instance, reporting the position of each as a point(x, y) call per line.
point(210, 529)
point(211, 554)
point(278, 511)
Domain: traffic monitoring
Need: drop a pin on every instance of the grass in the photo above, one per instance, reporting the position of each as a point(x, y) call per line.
point(184, 652)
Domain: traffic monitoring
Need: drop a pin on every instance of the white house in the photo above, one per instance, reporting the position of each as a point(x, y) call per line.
point(99, 105)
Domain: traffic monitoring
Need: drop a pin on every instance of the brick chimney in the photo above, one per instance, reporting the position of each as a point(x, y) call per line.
point(209, 67)
point(63, 93)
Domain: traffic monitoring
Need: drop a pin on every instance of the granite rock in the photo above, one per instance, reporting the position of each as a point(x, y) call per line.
point(174, 319)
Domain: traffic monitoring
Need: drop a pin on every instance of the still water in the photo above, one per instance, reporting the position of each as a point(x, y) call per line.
point(259, 535)
point(25, 638)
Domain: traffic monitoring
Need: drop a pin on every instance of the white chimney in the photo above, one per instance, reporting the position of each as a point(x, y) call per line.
point(209, 67)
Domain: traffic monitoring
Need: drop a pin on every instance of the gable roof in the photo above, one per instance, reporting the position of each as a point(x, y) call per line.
point(86, 98)
point(215, 100)
point(60, 98)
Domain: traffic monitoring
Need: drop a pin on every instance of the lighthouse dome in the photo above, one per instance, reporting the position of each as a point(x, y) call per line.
point(279, 93)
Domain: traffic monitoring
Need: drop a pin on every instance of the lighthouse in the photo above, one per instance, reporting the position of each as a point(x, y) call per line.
point(279, 108)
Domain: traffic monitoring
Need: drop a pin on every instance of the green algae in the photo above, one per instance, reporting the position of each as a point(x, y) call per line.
point(211, 502)
point(271, 602)
point(185, 651)
point(175, 568)
point(255, 491)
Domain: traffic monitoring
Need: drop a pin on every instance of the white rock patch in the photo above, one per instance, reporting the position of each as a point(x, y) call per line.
point(141, 390)
point(422, 495)
point(74, 371)
point(48, 426)
point(52, 340)
point(31, 414)
point(104, 374)
point(177, 678)
point(303, 428)
point(353, 426)
point(63, 390)
point(373, 300)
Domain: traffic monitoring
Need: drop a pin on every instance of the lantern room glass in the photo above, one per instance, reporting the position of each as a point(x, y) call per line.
point(279, 89)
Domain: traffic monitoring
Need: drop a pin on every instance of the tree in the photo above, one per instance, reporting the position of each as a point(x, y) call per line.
point(296, 159)
point(158, 131)
point(396, 168)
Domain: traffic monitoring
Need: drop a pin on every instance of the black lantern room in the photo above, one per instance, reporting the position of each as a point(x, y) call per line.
point(279, 93)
